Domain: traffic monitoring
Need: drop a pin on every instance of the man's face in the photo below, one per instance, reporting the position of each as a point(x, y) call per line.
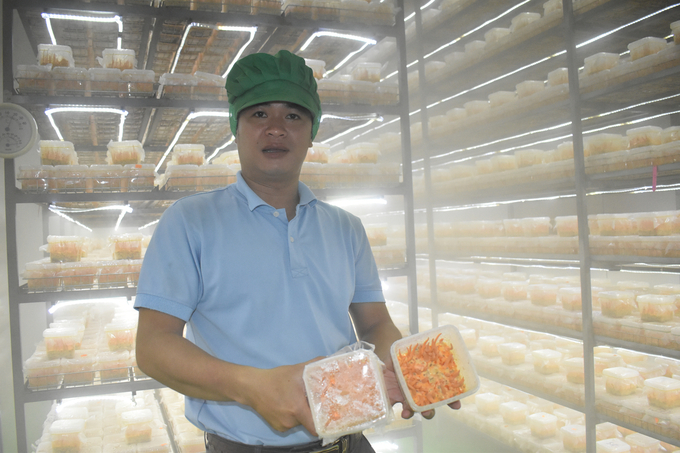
point(273, 139)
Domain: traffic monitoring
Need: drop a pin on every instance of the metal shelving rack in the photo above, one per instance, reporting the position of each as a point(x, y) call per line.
point(151, 16)
point(560, 36)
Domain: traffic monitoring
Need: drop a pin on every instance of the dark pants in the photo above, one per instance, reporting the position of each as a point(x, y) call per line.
point(353, 443)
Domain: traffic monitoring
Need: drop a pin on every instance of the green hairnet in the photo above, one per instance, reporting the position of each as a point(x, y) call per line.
point(261, 77)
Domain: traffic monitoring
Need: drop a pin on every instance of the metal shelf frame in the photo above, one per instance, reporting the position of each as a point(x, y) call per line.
point(579, 186)
point(13, 197)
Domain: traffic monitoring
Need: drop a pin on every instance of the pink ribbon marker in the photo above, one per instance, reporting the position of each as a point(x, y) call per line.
point(655, 172)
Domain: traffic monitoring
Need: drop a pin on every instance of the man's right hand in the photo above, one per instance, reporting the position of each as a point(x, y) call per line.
point(278, 395)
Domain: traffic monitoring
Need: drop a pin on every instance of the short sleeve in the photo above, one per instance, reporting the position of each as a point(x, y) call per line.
point(170, 279)
point(368, 287)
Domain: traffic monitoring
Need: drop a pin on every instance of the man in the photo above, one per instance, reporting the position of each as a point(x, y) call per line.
point(263, 275)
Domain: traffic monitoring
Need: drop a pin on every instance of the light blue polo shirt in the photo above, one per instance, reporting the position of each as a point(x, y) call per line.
point(256, 289)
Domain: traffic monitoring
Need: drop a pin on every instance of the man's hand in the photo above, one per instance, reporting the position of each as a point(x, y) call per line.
point(278, 395)
point(396, 396)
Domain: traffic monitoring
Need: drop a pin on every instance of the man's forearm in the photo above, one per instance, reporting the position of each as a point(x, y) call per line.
point(176, 362)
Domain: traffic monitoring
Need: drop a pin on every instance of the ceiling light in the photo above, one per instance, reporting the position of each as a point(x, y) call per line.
point(367, 42)
point(217, 150)
point(123, 114)
point(149, 224)
point(250, 30)
point(70, 219)
point(189, 117)
point(49, 16)
point(347, 202)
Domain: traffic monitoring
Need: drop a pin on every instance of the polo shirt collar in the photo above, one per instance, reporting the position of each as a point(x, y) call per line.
point(307, 197)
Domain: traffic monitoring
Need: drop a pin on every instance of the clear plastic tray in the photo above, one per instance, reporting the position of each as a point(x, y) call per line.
point(346, 393)
point(459, 354)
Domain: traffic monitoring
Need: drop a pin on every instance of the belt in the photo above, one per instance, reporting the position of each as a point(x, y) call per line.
point(217, 444)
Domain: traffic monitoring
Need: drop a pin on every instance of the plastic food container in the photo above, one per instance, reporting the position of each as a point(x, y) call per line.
point(671, 134)
point(346, 393)
point(464, 284)
point(68, 79)
point(604, 360)
point(499, 98)
point(34, 178)
point(33, 78)
point(566, 226)
point(522, 20)
point(178, 86)
point(318, 66)
point(138, 81)
point(214, 176)
point(546, 361)
point(125, 152)
point(574, 370)
point(121, 335)
point(105, 79)
point(513, 412)
point(663, 392)
point(542, 294)
point(367, 71)
point(646, 46)
point(573, 437)
point(644, 136)
point(656, 307)
point(104, 178)
point(113, 365)
point(512, 353)
point(189, 153)
point(528, 157)
point(209, 86)
point(473, 48)
point(42, 275)
point(138, 177)
point(447, 346)
point(570, 298)
point(640, 443)
point(118, 58)
point(456, 114)
point(536, 226)
point(542, 424)
point(60, 342)
point(181, 177)
point(559, 76)
point(604, 143)
point(667, 223)
point(112, 273)
point(81, 368)
point(137, 425)
point(617, 304)
point(41, 372)
point(496, 34)
point(476, 107)
point(126, 246)
point(488, 403)
point(57, 152)
point(65, 248)
point(621, 381)
point(600, 62)
point(513, 291)
point(319, 152)
point(613, 445)
point(55, 55)
point(79, 274)
point(529, 87)
point(67, 435)
point(488, 288)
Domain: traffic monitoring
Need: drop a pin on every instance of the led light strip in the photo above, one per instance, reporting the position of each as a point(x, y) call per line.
point(352, 129)
point(367, 42)
point(123, 114)
point(49, 16)
point(217, 150)
point(413, 14)
point(189, 117)
point(251, 30)
point(149, 224)
point(70, 219)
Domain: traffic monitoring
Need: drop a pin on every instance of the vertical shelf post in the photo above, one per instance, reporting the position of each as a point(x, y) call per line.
point(582, 215)
point(407, 171)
